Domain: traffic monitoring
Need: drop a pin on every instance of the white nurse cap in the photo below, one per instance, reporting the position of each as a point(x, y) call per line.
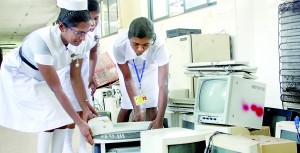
point(72, 5)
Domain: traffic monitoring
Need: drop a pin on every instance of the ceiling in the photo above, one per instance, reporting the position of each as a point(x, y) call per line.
point(20, 17)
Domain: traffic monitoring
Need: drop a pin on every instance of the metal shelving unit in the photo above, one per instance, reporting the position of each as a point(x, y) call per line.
point(289, 53)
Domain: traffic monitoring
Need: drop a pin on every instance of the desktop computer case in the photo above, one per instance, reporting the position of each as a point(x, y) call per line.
point(194, 48)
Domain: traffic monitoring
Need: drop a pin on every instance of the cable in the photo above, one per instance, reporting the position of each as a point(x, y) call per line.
point(296, 121)
point(97, 105)
point(208, 148)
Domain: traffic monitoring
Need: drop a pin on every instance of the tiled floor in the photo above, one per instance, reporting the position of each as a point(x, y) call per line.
point(12, 141)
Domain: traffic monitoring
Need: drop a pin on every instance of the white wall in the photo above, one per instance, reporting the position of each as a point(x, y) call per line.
point(253, 28)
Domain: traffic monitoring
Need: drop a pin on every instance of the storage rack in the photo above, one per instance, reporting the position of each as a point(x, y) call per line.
point(289, 53)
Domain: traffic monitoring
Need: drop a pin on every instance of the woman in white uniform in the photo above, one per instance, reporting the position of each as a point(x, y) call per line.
point(143, 71)
point(87, 72)
point(32, 98)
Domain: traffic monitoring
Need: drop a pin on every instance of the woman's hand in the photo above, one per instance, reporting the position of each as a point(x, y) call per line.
point(92, 85)
point(86, 132)
point(92, 109)
point(155, 124)
point(87, 115)
point(138, 117)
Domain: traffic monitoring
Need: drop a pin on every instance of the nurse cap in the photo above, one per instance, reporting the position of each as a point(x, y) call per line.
point(73, 5)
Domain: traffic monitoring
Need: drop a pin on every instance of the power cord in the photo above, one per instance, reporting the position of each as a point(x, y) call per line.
point(209, 146)
point(296, 121)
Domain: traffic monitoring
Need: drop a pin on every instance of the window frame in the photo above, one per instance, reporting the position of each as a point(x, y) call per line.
point(151, 8)
point(108, 18)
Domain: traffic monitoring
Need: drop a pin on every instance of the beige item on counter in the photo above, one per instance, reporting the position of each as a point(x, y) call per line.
point(234, 130)
point(274, 145)
point(265, 130)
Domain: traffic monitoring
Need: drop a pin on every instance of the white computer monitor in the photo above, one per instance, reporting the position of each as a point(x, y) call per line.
point(230, 100)
point(225, 143)
point(287, 130)
point(173, 140)
point(229, 129)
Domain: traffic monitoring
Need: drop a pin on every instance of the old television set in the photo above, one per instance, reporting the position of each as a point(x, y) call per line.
point(287, 130)
point(230, 100)
point(225, 143)
point(173, 140)
point(274, 115)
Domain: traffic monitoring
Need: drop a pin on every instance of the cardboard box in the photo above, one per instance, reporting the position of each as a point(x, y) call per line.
point(265, 130)
point(274, 145)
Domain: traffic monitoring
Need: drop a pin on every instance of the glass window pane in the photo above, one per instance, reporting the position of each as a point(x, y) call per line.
point(160, 8)
point(193, 3)
point(176, 7)
point(104, 18)
point(113, 16)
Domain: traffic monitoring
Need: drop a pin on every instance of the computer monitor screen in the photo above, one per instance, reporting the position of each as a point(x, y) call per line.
point(230, 100)
point(223, 150)
point(173, 140)
point(194, 147)
point(213, 94)
point(289, 135)
point(274, 115)
point(274, 120)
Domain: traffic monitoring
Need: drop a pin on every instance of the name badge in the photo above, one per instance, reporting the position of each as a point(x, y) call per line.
point(141, 99)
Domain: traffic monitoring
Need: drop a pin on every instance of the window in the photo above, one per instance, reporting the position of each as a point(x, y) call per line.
point(161, 9)
point(109, 17)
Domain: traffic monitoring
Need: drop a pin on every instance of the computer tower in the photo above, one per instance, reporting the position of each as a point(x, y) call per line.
point(193, 48)
point(181, 31)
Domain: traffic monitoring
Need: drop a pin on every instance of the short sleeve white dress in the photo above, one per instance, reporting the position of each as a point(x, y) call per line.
point(27, 103)
point(92, 39)
point(155, 56)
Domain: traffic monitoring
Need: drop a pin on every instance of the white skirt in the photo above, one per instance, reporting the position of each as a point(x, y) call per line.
point(26, 103)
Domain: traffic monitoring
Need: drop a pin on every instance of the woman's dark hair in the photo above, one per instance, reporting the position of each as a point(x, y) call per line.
point(142, 28)
point(93, 5)
point(72, 18)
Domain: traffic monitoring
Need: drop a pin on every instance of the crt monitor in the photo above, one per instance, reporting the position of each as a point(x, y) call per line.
point(274, 115)
point(230, 100)
point(287, 130)
point(225, 143)
point(173, 140)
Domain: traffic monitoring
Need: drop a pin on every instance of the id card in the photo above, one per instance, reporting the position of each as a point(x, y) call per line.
point(141, 99)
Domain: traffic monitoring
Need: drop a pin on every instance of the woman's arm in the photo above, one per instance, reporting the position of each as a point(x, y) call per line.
point(92, 83)
point(79, 90)
point(129, 84)
point(163, 72)
point(49, 74)
point(93, 62)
